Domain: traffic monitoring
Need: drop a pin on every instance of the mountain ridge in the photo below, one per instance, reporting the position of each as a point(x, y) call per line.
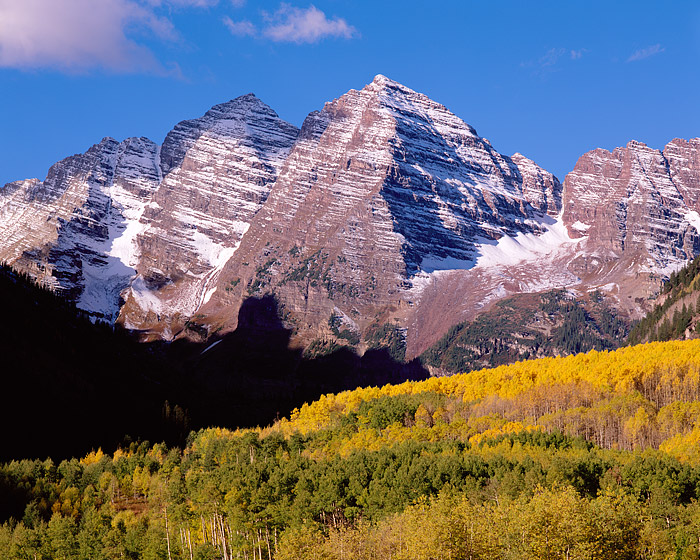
point(383, 209)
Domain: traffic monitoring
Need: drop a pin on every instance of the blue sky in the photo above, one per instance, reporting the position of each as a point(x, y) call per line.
point(551, 80)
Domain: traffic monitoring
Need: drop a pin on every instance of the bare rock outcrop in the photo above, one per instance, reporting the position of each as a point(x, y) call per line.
point(75, 231)
point(217, 172)
point(383, 187)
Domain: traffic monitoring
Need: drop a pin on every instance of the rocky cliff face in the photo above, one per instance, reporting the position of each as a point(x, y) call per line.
point(216, 175)
point(383, 188)
point(140, 230)
point(629, 218)
point(385, 217)
point(76, 230)
point(634, 202)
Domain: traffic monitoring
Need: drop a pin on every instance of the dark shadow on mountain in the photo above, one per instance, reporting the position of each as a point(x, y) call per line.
point(69, 386)
point(254, 376)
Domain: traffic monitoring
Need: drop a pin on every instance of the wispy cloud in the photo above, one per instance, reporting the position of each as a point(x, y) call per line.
point(243, 28)
point(79, 35)
point(552, 59)
point(184, 3)
point(291, 24)
point(641, 54)
point(297, 25)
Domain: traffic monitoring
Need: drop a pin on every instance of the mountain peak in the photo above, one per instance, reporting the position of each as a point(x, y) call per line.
point(636, 144)
point(239, 106)
point(381, 79)
point(382, 83)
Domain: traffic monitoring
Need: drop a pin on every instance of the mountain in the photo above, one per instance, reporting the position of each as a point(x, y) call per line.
point(382, 188)
point(638, 209)
point(69, 384)
point(217, 172)
point(629, 219)
point(141, 229)
point(384, 221)
point(75, 230)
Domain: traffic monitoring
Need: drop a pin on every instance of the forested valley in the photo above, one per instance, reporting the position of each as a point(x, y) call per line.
point(590, 456)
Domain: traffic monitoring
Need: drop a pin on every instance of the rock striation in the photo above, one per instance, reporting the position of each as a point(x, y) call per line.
point(637, 202)
point(385, 219)
point(383, 187)
point(217, 172)
point(629, 218)
point(75, 231)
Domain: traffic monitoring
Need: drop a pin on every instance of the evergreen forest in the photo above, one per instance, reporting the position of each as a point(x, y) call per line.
point(590, 456)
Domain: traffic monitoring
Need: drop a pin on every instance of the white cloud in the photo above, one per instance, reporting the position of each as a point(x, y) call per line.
point(551, 57)
point(78, 35)
point(184, 3)
point(641, 54)
point(552, 61)
point(296, 25)
point(240, 28)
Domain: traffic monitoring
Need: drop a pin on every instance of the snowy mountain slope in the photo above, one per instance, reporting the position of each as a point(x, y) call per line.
point(217, 173)
point(76, 230)
point(629, 219)
point(383, 185)
point(386, 213)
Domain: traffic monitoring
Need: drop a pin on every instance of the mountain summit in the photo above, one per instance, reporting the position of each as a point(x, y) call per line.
point(383, 188)
point(383, 221)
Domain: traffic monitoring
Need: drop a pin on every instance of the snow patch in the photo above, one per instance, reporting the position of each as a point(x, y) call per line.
point(209, 251)
point(535, 251)
point(145, 298)
point(527, 247)
point(124, 247)
point(208, 295)
point(209, 347)
point(216, 256)
point(693, 218)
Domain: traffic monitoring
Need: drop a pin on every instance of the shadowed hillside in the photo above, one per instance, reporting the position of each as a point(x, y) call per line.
point(71, 385)
point(526, 326)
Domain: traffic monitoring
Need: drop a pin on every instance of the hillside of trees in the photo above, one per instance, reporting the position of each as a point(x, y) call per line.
point(676, 315)
point(590, 456)
point(528, 326)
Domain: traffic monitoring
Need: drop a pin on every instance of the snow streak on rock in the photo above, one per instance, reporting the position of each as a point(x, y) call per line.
point(448, 187)
point(76, 230)
point(217, 173)
point(384, 208)
point(634, 202)
point(382, 186)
